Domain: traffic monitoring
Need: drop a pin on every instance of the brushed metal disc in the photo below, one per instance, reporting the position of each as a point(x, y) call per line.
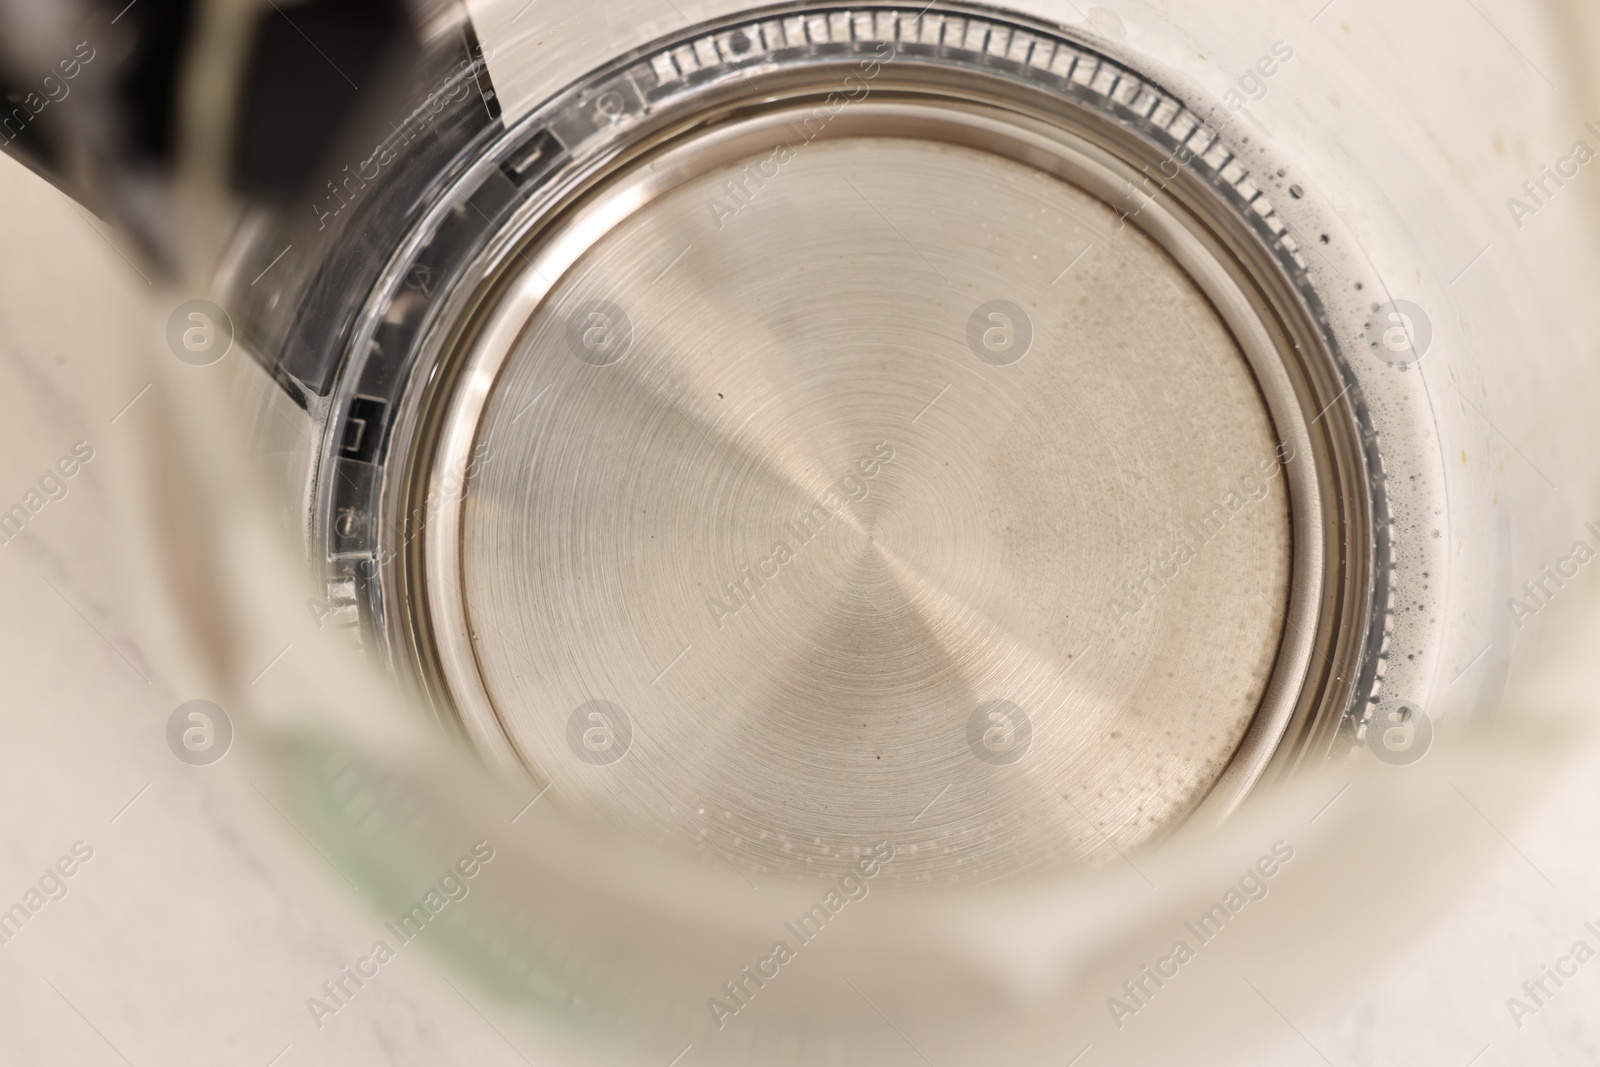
point(816, 500)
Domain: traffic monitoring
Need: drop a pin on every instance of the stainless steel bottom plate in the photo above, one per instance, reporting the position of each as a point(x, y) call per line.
point(876, 482)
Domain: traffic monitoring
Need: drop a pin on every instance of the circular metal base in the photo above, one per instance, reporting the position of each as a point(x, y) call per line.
point(881, 471)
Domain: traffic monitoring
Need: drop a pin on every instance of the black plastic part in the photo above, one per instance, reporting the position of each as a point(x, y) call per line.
point(336, 239)
point(308, 69)
point(149, 81)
